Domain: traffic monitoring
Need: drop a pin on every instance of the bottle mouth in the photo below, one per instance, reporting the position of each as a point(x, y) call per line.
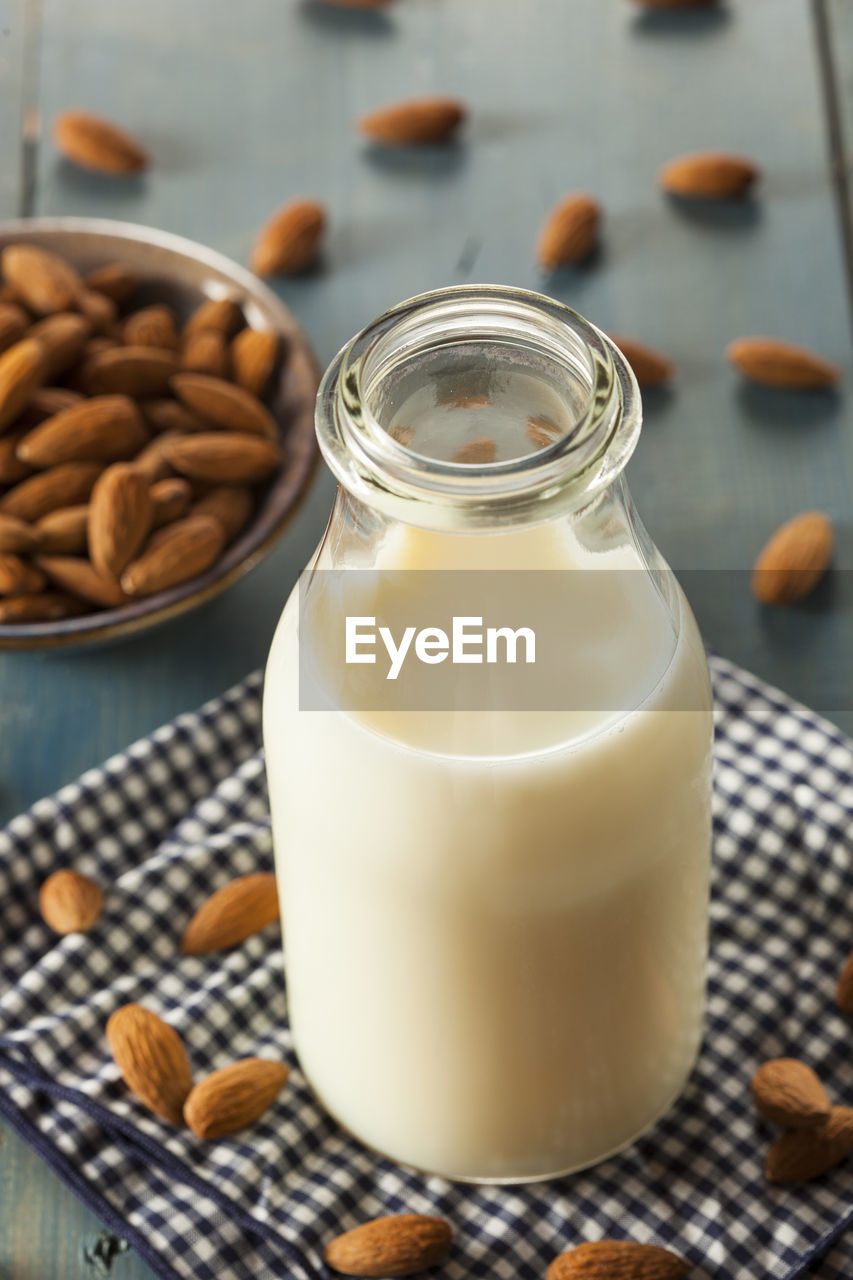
point(475, 406)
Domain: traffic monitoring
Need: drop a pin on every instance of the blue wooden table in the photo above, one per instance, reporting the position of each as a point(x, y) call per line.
point(246, 105)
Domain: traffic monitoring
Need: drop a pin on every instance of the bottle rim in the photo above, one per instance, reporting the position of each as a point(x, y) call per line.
point(402, 484)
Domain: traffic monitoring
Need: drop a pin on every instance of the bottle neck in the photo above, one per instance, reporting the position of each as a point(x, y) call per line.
point(478, 409)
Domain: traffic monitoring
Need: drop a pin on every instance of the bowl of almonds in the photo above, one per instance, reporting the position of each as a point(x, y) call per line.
point(156, 427)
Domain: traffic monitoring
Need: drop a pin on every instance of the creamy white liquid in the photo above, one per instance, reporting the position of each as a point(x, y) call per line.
point(495, 961)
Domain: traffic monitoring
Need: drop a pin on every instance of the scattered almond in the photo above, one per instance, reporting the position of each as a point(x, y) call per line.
point(94, 143)
point(206, 351)
point(788, 1092)
point(222, 457)
point(414, 122)
point(651, 369)
point(171, 500)
point(152, 326)
point(18, 537)
point(223, 404)
point(708, 175)
point(18, 578)
point(70, 902)
point(477, 451)
point(21, 372)
point(401, 1244)
point(234, 1097)
point(78, 577)
point(175, 554)
point(232, 914)
point(569, 233)
point(131, 371)
point(289, 241)
point(152, 1060)
point(774, 363)
point(62, 486)
point(617, 1260)
point(119, 518)
point(803, 1154)
point(254, 354)
point(231, 504)
point(105, 428)
point(794, 560)
point(64, 532)
point(42, 280)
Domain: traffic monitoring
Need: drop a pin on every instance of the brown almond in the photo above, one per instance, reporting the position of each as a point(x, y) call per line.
point(62, 486)
point(95, 143)
point(844, 990)
point(153, 326)
point(46, 402)
point(254, 355)
point(222, 457)
point(803, 1154)
point(234, 1097)
point(708, 175)
point(794, 560)
point(289, 241)
point(569, 233)
point(651, 369)
point(414, 121)
point(120, 517)
point(18, 537)
point(152, 1060)
point(175, 554)
point(401, 1244)
point(18, 578)
point(11, 468)
point(78, 577)
point(170, 500)
point(115, 280)
point(152, 461)
point(99, 310)
point(131, 371)
point(206, 351)
point(232, 914)
point(477, 451)
point(105, 428)
point(225, 405)
point(70, 902)
point(220, 314)
point(49, 606)
point(21, 373)
point(63, 337)
point(42, 280)
point(231, 504)
point(14, 323)
point(617, 1260)
point(788, 1092)
point(169, 415)
point(774, 363)
point(64, 532)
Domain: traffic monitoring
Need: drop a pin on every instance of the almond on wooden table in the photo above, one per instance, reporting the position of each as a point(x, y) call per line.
point(115, 280)
point(120, 515)
point(48, 606)
point(234, 1097)
point(803, 1154)
point(788, 1092)
point(18, 577)
point(794, 560)
point(618, 1260)
point(206, 351)
point(153, 326)
point(231, 504)
point(63, 337)
point(70, 902)
point(132, 371)
point(42, 280)
point(570, 232)
point(254, 354)
point(62, 486)
point(95, 143)
point(400, 1244)
point(222, 457)
point(289, 241)
point(221, 314)
point(225, 405)
point(77, 576)
point(152, 1060)
point(21, 372)
point(651, 369)
point(175, 553)
point(775, 363)
point(708, 175)
point(414, 121)
point(18, 537)
point(64, 532)
point(232, 914)
point(104, 428)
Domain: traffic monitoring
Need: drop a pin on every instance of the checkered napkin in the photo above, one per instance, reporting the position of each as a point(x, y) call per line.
point(182, 812)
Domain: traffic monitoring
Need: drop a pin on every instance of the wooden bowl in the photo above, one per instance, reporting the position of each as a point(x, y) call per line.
point(181, 273)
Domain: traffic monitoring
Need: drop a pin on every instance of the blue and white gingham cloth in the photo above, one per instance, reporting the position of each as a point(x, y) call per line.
point(182, 812)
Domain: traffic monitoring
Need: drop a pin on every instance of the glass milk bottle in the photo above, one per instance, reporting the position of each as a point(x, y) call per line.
point(494, 909)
